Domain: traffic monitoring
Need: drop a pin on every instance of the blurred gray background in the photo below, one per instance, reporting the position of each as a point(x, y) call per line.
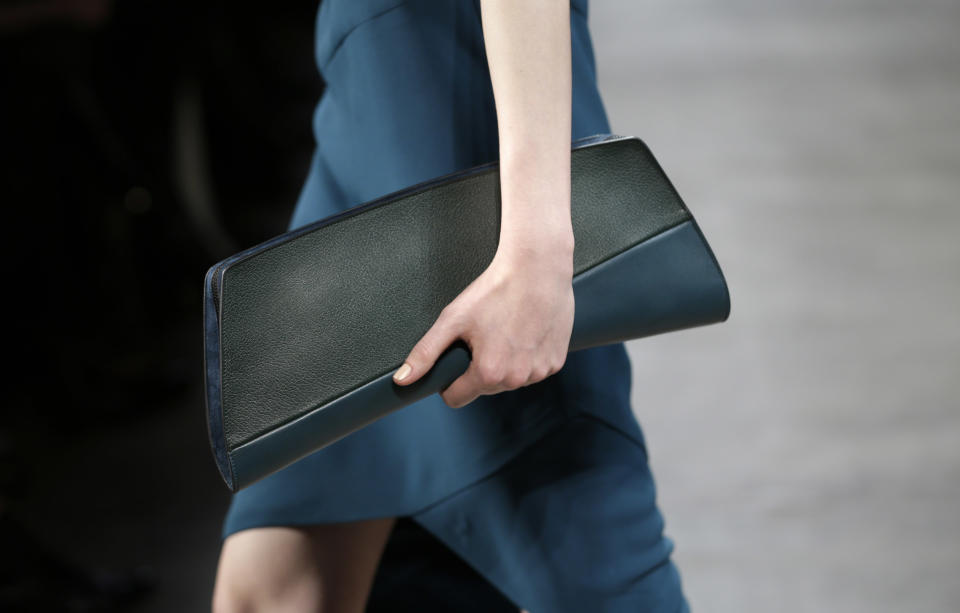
point(806, 451)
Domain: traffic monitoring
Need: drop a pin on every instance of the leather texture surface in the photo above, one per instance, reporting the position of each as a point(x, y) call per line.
point(666, 283)
point(314, 322)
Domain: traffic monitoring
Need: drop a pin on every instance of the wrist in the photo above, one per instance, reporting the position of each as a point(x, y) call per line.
point(535, 224)
point(549, 247)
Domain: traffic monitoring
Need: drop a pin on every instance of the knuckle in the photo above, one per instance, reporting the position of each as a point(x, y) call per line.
point(450, 315)
point(516, 378)
point(490, 373)
point(541, 372)
point(420, 352)
point(420, 348)
point(488, 380)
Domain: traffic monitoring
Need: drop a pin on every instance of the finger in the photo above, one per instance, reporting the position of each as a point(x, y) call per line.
point(465, 389)
point(425, 353)
point(485, 375)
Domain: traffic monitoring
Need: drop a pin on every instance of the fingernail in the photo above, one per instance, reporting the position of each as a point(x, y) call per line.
point(402, 372)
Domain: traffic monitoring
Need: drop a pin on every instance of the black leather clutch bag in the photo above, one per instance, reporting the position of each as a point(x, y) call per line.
point(303, 332)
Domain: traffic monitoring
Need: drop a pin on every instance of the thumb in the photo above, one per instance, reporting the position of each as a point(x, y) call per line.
point(425, 353)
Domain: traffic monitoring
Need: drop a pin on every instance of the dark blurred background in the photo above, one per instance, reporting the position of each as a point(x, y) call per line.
point(141, 142)
point(806, 451)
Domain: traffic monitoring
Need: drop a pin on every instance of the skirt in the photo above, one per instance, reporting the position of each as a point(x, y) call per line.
point(544, 490)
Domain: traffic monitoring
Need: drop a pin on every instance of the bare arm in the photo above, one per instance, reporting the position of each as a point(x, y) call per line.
point(517, 316)
point(528, 51)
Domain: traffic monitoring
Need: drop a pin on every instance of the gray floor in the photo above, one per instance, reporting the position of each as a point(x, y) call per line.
point(807, 451)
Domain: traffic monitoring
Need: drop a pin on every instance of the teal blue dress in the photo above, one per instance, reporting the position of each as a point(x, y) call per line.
point(544, 490)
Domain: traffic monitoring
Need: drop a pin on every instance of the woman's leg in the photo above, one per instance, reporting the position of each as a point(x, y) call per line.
point(325, 568)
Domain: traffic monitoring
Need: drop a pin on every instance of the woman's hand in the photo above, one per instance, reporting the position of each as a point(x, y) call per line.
point(516, 317)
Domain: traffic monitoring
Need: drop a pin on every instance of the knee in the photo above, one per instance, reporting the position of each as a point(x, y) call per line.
point(228, 598)
point(244, 584)
point(233, 594)
point(239, 594)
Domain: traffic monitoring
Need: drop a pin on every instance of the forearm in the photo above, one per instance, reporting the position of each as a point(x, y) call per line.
point(528, 52)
